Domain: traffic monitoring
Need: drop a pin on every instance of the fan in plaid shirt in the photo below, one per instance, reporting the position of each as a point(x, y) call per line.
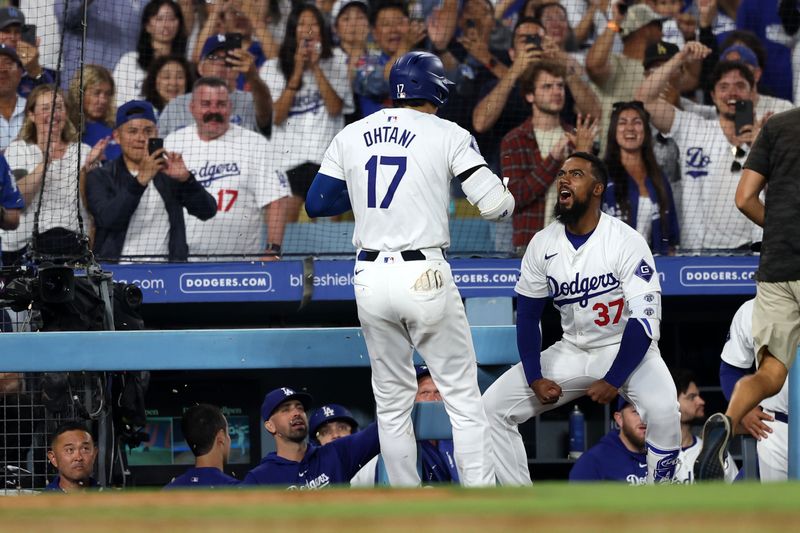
point(522, 151)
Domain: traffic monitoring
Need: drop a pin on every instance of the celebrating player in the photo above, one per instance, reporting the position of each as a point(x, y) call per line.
point(394, 167)
point(599, 273)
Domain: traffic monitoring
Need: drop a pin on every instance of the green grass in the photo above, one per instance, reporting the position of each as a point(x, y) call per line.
point(555, 506)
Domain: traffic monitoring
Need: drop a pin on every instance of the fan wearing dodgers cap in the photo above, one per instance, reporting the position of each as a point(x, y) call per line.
point(138, 199)
point(298, 464)
point(252, 111)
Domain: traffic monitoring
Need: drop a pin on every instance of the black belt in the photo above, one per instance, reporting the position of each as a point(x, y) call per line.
point(781, 417)
point(407, 255)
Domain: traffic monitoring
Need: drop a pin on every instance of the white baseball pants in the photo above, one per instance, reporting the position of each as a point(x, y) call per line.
point(407, 304)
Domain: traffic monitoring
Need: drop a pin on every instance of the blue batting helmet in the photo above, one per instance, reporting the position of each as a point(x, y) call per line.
point(419, 75)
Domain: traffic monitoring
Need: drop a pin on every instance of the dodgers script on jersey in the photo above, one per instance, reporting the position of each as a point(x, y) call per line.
point(591, 286)
point(236, 169)
point(373, 156)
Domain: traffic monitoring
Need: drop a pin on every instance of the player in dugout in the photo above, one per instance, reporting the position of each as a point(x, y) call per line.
point(599, 272)
point(299, 465)
point(206, 432)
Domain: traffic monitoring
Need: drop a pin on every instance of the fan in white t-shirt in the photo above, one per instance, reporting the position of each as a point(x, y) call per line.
point(712, 152)
point(234, 165)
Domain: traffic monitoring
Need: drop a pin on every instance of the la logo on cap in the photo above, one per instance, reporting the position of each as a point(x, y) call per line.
point(287, 391)
point(661, 49)
point(327, 411)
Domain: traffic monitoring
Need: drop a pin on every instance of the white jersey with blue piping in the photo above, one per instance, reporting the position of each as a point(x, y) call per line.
point(591, 286)
point(398, 164)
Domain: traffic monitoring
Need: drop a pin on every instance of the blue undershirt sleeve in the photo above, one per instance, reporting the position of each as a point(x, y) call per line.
point(327, 197)
point(529, 336)
point(634, 345)
point(728, 376)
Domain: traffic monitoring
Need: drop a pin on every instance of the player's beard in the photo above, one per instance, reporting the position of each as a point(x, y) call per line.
point(571, 215)
point(633, 437)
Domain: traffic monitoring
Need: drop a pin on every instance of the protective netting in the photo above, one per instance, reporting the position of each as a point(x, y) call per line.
point(242, 152)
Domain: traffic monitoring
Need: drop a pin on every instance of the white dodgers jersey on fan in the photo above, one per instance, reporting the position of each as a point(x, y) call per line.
point(236, 170)
point(591, 286)
point(398, 164)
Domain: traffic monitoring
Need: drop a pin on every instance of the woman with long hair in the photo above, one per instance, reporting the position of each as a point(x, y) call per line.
point(637, 191)
point(167, 78)
point(98, 107)
point(311, 90)
point(162, 33)
point(350, 21)
point(49, 168)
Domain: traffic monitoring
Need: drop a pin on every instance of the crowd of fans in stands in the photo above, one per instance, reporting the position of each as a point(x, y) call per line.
point(671, 93)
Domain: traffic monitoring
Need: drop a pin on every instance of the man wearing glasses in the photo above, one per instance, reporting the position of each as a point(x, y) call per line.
point(713, 151)
point(218, 60)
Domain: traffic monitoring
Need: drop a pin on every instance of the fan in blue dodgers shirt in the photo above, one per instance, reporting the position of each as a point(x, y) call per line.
point(206, 432)
point(297, 464)
point(620, 455)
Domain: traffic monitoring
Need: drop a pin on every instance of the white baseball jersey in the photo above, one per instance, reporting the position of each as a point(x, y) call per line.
point(308, 130)
point(739, 351)
point(708, 216)
point(236, 170)
point(684, 473)
point(591, 286)
point(398, 164)
point(773, 452)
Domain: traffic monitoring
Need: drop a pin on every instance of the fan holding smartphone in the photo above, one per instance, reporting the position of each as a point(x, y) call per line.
point(22, 37)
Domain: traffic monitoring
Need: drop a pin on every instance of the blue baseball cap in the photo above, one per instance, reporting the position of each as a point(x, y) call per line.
point(214, 43)
point(621, 403)
point(10, 16)
point(133, 110)
point(746, 55)
point(283, 394)
point(11, 52)
point(328, 413)
point(422, 371)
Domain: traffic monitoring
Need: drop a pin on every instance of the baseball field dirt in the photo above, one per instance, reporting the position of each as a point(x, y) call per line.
point(547, 507)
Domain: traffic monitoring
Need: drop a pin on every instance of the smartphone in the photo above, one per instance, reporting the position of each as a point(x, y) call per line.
point(29, 34)
point(535, 40)
point(233, 41)
point(154, 144)
point(744, 115)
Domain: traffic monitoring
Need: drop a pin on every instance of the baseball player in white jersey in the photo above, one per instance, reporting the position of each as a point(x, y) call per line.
point(394, 168)
point(600, 275)
point(769, 422)
point(233, 164)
